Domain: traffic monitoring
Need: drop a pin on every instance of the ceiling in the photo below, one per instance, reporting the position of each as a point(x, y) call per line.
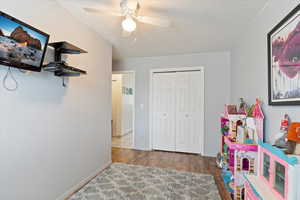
point(197, 25)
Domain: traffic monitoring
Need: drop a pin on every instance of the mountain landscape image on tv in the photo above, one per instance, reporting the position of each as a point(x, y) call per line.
point(21, 45)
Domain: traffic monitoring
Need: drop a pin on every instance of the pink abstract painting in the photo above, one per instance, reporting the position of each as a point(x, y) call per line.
point(284, 60)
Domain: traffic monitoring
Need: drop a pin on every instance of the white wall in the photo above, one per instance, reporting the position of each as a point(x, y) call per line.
point(53, 137)
point(249, 65)
point(217, 91)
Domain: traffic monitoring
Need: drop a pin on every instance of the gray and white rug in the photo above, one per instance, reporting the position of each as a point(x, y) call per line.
point(132, 182)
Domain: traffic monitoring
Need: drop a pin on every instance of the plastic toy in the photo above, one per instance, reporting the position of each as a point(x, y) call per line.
point(294, 138)
point(242, 106)
point(280, 139)
point(228, 180)
point(224, 126)
point(220, 160)
point(259, 119)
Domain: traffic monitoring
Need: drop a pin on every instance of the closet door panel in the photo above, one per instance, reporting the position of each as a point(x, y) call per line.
point(196, 111)
point(182, 120)
point(189, 103)
point(163, 128)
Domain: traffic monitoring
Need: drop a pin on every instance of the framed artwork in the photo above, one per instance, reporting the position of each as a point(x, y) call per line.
point(130, 91)
point(127, 91)
point(284, 61)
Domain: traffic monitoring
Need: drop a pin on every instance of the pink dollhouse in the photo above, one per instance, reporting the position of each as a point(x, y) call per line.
point(254, 120)
point(260, 171)
point(277, 178)
point(242, 157)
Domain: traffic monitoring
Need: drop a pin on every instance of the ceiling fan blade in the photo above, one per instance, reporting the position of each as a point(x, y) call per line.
point(133, 4)
point(154, 21)
point(102, 12)
point(126, 33)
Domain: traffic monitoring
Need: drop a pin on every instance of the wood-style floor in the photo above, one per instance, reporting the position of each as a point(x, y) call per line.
point(170, 160)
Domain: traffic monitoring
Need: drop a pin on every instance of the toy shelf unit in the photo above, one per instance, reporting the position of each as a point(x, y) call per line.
point(60, 67)
point(277, 177)
point(241, 131)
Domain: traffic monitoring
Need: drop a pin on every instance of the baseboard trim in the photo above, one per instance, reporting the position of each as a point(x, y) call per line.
point(82, 183)
point(142, 149)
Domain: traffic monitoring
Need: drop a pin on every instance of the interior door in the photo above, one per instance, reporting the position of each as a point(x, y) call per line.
point(163, 122)
point(189, 111)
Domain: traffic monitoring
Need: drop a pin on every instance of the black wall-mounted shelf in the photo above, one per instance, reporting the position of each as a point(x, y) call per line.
point(65, 48)
point(60, 67)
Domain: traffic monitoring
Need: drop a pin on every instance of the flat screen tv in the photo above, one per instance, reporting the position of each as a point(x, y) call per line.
point(21, 45)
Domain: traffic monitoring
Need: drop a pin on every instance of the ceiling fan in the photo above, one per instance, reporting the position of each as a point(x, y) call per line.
point(130, 12)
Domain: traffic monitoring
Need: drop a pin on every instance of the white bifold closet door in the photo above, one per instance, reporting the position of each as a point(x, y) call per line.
point(178, 111)
point(189, 103)
point(164, 114)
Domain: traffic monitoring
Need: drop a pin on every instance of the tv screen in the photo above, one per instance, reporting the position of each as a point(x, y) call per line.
point(21, 45)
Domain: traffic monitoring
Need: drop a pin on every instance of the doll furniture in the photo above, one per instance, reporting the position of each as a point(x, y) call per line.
point(278, 176)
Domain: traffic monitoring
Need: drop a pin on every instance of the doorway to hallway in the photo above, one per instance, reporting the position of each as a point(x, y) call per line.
point(123, 96)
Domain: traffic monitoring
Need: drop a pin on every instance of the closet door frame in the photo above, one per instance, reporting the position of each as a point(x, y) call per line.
point(177, 69)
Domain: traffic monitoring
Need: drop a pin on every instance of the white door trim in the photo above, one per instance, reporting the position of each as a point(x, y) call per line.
point(177, 69)
point(130, 72)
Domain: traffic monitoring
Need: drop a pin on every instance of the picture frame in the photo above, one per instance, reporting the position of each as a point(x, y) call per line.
point(284, 61)
point(130, 91)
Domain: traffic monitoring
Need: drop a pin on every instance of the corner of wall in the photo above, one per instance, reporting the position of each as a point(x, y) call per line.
point(82, 183)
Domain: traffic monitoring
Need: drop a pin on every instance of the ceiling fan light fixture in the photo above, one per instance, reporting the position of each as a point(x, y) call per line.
point(129, 24)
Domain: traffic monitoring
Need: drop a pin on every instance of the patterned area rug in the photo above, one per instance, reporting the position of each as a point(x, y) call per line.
point(131, 182)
